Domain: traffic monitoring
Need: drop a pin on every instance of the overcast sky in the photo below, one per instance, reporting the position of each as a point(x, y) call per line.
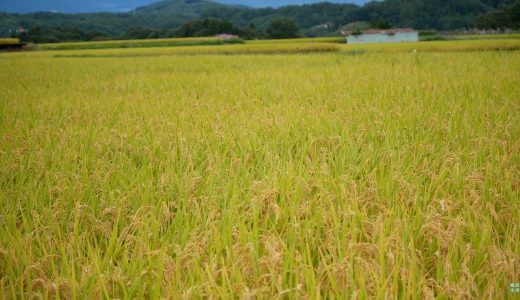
point(23, 6)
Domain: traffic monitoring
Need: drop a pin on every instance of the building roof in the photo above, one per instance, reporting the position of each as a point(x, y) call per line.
point(382, 31)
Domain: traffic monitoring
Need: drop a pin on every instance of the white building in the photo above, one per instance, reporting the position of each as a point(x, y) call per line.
point(396, 35)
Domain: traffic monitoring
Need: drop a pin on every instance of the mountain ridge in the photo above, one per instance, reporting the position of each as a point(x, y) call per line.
point(187, 7)
point(98, 6)
point(320, 19)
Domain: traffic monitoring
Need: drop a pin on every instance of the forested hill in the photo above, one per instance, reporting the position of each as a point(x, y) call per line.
point(328, 17)
point(194, 8)
point(434, 14)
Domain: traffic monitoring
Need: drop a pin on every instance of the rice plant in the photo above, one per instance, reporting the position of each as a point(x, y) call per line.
point(319, 175)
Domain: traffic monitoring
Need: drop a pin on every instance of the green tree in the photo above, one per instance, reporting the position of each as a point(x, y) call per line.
point(206, 27)
point(138, 33)
point(250, 32)
point(509, 17)
point(281, 28)
point(380, 24)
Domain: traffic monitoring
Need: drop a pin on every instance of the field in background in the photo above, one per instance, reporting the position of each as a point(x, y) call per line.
point(305, 46)
point(278, 48)
point(213, 41)
point(8, 41)
point(333, 40)
point(174, 42)
point(439, 46)
point(486, 36)
point(301, 45)
point(362, 171)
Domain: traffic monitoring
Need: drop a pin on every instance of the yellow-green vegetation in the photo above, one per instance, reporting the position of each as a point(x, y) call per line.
point(141, 43)
point(9, 41)
point(486, 36)
point(293, 48)
point(321, 175)
point(289, 47)
point(438, 46)
point(334, 39)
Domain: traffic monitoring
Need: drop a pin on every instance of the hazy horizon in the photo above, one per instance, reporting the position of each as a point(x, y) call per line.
point(70, 6)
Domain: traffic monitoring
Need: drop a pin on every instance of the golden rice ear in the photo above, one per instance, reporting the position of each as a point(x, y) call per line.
point(272, 169)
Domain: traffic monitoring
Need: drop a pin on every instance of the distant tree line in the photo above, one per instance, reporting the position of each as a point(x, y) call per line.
point(509, 18)
point(320, 19)
point(59, 34)
point(278, 28)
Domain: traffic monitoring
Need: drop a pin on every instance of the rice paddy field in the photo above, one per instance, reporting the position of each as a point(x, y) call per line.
point(485, 36)
point(8, 41)
point(205, 41)
point(363, 172)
